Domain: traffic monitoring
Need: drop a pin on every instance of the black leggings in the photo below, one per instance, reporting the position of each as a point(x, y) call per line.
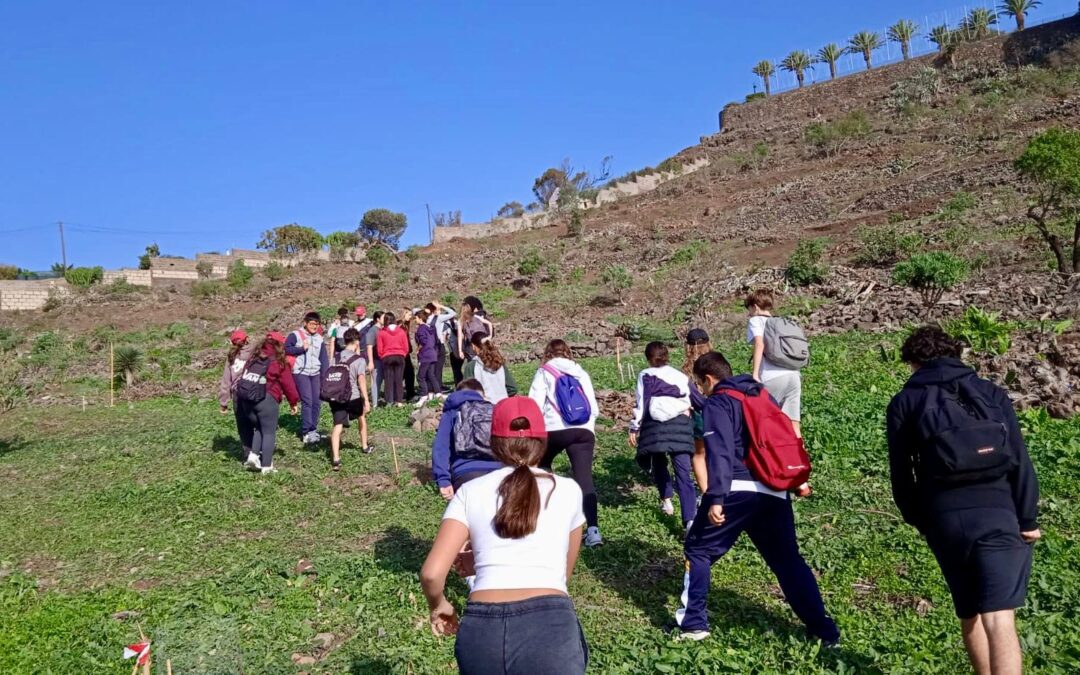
point(579, 445)
point(258, 423)
point(410, 379)
point(394, 375)
point(440, 365)
point(457, 366)
point(429, 379)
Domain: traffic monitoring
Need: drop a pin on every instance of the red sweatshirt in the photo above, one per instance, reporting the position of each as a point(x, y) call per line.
point(392, 341)
point(280, 381)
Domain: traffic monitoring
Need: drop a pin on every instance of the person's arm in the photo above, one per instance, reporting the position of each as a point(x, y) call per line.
point(370, 354)
point(697, 399)
point(361, 381)
point(444, 551)
point(225, 386)
point(1022, 480)
point(460, 340)
point(719, 452)
point(490, 326)
point(331, 342)
point(288, 386)
point(590, 393)
point(538, 389)
point(572, 551)
point(511, 383)
point(293, 347)
point(759, 355)
point(324, 359)
point(440, 452)
point(901, 466)
point(639, 408)
point(468, 371)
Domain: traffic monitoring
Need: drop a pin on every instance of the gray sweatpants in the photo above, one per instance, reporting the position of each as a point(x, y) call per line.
point(258, 423)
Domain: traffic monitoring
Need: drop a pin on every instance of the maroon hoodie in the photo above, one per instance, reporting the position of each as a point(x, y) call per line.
point(280, 380)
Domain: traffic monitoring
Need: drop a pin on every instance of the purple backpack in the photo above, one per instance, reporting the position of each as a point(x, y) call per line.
point(570, 399)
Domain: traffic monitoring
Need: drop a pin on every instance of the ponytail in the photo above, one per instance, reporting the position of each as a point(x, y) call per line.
point(519, 495)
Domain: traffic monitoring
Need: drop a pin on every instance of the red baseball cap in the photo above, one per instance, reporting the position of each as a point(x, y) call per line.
point(276, 337)
point(361, 310)
point(509, 409)
point(238, 337)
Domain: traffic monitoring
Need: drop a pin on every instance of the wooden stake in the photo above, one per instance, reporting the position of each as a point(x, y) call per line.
point(168, 666)
point(393, 448)
point(618, 357)
point(112, 375)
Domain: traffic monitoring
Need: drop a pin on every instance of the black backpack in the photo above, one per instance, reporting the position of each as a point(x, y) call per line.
point(252, 385)
point(965, 437)
point(336, 383)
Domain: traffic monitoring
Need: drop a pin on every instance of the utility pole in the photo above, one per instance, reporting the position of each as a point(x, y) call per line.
point(63, 247)
point(431, 231)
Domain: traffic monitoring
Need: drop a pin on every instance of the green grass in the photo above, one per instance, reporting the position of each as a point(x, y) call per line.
point(144, 508)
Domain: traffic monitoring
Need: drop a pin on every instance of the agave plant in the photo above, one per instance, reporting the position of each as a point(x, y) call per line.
point(765, 70)
point(865, 42)
point(798, 62)
point(978, 23)
point(902, 32)
point(830, 54)
point(128, 361)
point(1018, 9)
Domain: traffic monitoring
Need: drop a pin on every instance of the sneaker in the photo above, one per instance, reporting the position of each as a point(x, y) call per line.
point(423, 401)
point(267, 469)
point(252, 462)
point(369, 449)
point(667, 507)
point(307, 440)
point(695, 635)
point(592, 537)
point(689, 524)
point(831, 644)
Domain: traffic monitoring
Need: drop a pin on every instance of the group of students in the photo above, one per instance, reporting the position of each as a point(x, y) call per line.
point(960, 474)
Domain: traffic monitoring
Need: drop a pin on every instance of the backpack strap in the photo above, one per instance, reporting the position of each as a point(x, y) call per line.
point(551, 370)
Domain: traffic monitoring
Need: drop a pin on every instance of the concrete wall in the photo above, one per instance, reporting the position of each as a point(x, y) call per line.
point(135, 277)
point(639, 185)
point(28, 295)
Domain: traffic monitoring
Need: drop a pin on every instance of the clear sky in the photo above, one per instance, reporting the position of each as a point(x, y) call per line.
point(200, 124)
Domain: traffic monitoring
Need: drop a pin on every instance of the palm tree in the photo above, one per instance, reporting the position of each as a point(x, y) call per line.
point(865, 42)
point(903, 31)
point(797, 62)
point(830, 54)
point(942, 37)
point(765, 70)
point(1018, 9)
point(978, 22)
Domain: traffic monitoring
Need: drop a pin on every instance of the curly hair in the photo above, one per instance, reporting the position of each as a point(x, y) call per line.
point(693, 353)
point(487, 352)
point(930, 342)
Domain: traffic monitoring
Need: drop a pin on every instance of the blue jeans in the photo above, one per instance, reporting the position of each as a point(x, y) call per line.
point(309, 387)
point(771, 525)
point(539, 636)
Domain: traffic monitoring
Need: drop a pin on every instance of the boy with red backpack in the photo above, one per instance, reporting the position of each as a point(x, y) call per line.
point(754, 458)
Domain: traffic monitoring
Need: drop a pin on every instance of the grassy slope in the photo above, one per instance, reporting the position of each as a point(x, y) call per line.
point(145, 508)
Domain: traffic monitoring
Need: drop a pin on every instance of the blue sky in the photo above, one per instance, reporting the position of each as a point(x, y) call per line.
point(200, 124)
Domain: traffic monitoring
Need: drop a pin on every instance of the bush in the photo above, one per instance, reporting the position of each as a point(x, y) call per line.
point(960, 203)
point(982, 331)
point(806, 265)
point(121, 286)
point(575, 227)
point(832, 137)
point(207, 289)
point(412, 253)
point(688, 253)
point(12, 390)
point(8, 272)
point(511, 210)
point(84, 277)
point(756, 96)
point(617, 279)
point(881, 246)
point(204, 269)
point(378, 255)
point(239, 275)
point(274, 271)
point(1051, 163)
point(753, 160)
point(917, 91)
point(530, 264)
point(127, 361)
point(931, 274)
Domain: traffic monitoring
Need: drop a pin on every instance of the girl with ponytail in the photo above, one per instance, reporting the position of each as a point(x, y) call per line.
point(525, 526)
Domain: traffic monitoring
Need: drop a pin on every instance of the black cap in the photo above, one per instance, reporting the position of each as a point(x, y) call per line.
point(697, 336)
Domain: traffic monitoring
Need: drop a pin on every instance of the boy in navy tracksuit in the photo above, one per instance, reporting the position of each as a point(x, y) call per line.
point(735, 502)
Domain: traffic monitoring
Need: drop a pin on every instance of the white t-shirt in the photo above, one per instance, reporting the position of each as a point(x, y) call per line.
point(769, 370)
point(535, 561)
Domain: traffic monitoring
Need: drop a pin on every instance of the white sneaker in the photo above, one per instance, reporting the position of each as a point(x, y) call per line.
point(423, 401)
point(667, 507)
point(689, 525)
point(267, 469)
point(592, 537)
point(695, 635)
point(306, 440)
point(252, 462)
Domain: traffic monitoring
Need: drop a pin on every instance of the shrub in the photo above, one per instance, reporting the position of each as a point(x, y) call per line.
point(982, 331)
point(84, 277)
point(207, 289)
point(412, 253)
point(47, 347)
point(127, 360)
point(670, 165)
point(931, 274)
point(957, 206)
point(530, 264)
point(8, 272)
point(618, 280)
point(806, 265)
point(121, 286)
point(687, 253)
point(575, 227)
point(880, 246)
point(449, 300)
point(832, 137)
point(12, 390)
point(239, 275)
point(274, 271)
point(377, 255)
point(756, 96)
point(204, 269)
point(511, 210)
point(752, 160)
point(1051, 163)
point(917, 91)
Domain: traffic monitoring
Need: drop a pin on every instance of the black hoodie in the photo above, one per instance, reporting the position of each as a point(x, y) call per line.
point(920, 501)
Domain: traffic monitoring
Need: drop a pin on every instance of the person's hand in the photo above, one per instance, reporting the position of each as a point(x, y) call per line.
point(367, 407)
point(293, 410)
point(307, 343)
point(716, 514)
point(224, 410)
point(444, 619)
point(447, 492)
point(370, 367)
point(632, 439)
point(803, 490)
point(1031, 536)
point(756, 376)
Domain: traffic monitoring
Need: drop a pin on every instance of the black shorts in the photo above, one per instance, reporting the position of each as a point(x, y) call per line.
point(343, 412)
point(985, 561)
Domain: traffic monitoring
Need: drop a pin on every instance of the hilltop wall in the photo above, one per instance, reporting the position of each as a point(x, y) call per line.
point(23, 295)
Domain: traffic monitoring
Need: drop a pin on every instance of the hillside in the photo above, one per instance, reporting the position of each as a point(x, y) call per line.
point(929, 154)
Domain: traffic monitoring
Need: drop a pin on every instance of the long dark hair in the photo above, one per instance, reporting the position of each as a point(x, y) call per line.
point(273, 349)
point(519, 495)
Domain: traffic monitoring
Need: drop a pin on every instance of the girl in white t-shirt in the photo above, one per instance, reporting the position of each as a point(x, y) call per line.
point(525, 530)
point(783, 384)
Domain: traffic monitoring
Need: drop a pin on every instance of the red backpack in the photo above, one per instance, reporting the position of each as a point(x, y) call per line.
point(776, 456)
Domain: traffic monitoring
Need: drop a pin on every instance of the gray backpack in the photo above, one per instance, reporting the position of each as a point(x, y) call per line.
point(786, 344)
point(472, 433)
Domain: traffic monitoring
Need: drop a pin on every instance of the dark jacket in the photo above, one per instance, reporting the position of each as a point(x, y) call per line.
point(673, 436)
point(444, 461)
point(427, 344)
point(279, 380)
point(726, 438)
point(917, 500)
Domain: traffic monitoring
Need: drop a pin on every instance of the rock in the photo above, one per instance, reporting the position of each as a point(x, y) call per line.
point(305, 567)
point(125, 615)
point(303, 660)
point(425, 419)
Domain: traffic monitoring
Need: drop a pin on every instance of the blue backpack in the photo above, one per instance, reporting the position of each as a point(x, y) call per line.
point(570, 399)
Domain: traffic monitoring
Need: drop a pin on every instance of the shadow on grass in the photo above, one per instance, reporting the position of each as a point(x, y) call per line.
point(620, 480)
point(370, 666)
point(10, 445)
point(229, 446)
point(400, 552)
point(290, 424)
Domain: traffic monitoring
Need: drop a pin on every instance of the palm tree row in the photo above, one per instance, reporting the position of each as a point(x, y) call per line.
point(977, 25)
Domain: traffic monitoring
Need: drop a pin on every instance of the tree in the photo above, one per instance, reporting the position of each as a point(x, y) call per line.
point(902, 32)
point(830, 54)
point(448, 219)
point(617, 279)
point(978, 23)
point(942, 37)
point(865, 42)
point(59, 270)
point(1051, 164)
point(765, 70)
point(9, 272)
point(568, 181)
point(545, 186)
point(931, 274)
point(290, 240)
point(239, 275)
point(342, 240)
point(1018, 9)
point(152, 251)
point(382, 226)
point(797, 62)
point(511, 210)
